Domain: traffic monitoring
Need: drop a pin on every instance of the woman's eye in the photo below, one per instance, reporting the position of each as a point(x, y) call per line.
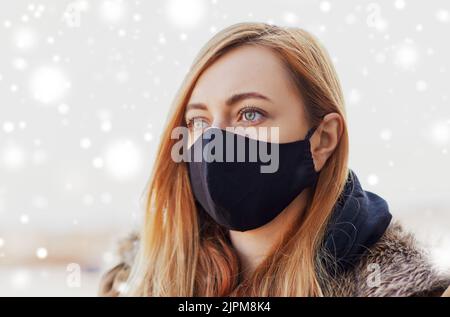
point(251, 115)
point(197, 124)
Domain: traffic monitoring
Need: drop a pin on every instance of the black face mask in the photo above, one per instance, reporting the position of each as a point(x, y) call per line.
point(238, 195)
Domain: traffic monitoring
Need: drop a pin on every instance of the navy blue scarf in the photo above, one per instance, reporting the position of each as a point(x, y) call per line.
point(358, 221)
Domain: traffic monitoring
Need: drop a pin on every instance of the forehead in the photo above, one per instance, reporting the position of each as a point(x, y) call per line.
point(246, 68)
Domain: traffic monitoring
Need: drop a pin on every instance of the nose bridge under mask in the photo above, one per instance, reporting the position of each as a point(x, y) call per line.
point(225, 145)
point(228, 146)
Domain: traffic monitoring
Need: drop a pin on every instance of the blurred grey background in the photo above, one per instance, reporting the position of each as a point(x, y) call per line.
point(85, 87)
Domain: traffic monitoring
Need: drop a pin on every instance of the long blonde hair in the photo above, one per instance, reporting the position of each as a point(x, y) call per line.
point(183, 252)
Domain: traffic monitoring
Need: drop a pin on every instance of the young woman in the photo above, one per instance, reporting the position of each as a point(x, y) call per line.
point(307, 229)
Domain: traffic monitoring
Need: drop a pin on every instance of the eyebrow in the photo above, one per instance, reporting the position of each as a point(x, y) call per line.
point(231, 100)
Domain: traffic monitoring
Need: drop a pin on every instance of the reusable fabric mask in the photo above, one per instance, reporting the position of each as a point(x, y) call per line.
point(238, 195)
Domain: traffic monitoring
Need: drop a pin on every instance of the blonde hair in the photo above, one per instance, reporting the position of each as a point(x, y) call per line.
point(183, 252)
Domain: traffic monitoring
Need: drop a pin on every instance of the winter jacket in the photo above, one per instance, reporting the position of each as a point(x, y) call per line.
point(367, 253)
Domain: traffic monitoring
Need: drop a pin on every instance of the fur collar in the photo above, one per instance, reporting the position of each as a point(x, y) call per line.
point(394, 266)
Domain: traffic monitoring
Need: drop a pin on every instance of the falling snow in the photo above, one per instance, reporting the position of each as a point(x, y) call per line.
point(406, 56)
point(48, 84)
point(123, 159)
point(41, 253)
point(113, 11)
point(186, 14)
point(25, 38)
point(86, 88)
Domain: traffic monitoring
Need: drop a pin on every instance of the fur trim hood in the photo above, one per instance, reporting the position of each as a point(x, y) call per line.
point(394, 266)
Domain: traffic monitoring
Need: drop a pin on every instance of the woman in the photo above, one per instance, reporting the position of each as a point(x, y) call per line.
point(307, 229)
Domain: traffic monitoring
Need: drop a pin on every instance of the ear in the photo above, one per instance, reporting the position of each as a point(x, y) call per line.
point(326, 138)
